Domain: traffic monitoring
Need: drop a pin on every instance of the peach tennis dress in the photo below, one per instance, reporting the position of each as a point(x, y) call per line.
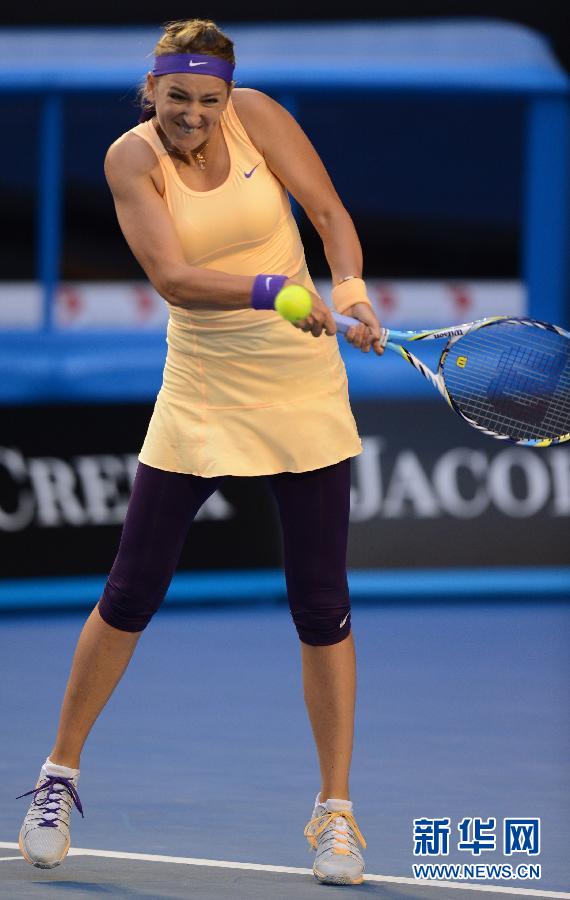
point(244, 392)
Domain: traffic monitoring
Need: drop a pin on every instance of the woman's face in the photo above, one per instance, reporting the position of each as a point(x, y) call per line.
point(188, 107)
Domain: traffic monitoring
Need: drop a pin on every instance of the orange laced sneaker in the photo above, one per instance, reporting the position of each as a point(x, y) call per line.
point(333, 833)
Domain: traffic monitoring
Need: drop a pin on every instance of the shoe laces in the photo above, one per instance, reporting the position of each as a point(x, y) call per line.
point(340, 821)
point(52, 798)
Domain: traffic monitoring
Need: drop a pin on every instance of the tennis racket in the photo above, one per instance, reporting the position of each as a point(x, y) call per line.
point(508, 377)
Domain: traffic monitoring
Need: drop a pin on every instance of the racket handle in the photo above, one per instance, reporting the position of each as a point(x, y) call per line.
point(343, 323)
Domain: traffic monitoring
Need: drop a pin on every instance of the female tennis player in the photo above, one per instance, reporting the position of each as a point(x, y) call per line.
point(200, 189)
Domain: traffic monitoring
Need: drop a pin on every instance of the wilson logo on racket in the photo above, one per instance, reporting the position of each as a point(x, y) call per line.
point(450, 332)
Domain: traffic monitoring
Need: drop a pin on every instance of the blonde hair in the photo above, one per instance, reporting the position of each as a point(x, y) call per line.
point(188, 36)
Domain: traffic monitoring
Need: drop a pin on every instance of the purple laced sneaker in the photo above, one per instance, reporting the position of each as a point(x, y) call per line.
point(44, 836)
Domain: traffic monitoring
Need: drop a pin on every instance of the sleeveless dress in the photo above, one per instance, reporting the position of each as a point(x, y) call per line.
point(244, 392)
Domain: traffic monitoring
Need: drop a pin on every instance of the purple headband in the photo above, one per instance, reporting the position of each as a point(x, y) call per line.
point(195, 63)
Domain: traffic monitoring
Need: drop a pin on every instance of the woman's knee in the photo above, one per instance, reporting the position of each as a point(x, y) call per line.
point(131, 606)
point(320, 619)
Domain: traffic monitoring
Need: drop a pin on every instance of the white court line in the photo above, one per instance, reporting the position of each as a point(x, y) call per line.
point(258, 867)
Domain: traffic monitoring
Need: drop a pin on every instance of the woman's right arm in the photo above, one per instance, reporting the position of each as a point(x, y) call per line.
point(149, 231)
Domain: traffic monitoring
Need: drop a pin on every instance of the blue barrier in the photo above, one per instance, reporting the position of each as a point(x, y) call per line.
point(268, 585)
point(126, 367)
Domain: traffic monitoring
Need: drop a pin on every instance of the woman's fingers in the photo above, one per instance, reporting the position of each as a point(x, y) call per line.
point(363, 338)
point(369, 333)
point(319, 320)
point(359, 336)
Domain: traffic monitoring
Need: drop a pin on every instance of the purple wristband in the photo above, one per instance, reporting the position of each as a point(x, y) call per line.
point(265, 290)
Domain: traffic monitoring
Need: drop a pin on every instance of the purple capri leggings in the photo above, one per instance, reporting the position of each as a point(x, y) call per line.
point(313, 508)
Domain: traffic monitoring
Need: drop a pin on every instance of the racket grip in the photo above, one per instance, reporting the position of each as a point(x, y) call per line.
point(343, 323)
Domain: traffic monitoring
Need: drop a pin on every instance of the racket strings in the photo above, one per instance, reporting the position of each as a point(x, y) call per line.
point(511, 379)
point(526, 380)
point(550, 419)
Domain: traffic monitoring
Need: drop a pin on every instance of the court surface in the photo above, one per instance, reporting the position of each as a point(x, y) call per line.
point(203, 759)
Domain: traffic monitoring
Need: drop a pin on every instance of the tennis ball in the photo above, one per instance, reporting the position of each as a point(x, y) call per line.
point(293, 302)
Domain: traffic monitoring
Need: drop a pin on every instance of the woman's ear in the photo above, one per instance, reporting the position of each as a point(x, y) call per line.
point(149, 88)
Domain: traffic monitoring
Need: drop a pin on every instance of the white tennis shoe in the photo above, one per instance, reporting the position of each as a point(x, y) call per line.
point(333, 833)
point(44, 837)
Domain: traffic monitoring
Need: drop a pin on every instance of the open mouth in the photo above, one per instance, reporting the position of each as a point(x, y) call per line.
point(185, 129)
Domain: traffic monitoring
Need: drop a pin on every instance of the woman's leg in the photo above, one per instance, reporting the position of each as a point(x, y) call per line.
point(314, 510)
point(329, 680)
point(101, 656)
point(161, 509)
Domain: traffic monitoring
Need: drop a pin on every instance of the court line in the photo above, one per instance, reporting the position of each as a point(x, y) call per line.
point(290, 870)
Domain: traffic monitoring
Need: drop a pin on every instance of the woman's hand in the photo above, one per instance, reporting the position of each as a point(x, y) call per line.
point(319, 319)
point(367, 334)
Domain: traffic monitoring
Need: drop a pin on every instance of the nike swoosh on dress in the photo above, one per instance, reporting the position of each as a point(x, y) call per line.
point(249, 174)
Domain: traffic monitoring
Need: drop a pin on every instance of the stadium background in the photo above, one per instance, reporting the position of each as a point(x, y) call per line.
point(459, 563)
point(438, 185)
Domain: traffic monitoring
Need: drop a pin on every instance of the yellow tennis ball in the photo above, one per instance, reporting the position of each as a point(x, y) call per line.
point(293, 302)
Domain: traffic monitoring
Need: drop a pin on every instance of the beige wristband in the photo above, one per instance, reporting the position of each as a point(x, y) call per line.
point(348, 292)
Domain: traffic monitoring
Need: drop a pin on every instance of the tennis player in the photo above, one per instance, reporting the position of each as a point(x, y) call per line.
point(200, 189)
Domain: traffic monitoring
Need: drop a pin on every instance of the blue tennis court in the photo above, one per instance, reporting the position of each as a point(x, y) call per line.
point(206, 754)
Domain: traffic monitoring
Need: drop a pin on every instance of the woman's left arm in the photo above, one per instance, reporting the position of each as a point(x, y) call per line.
point(292, 158)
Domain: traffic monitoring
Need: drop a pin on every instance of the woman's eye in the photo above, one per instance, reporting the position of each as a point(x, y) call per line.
point(179, 97)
